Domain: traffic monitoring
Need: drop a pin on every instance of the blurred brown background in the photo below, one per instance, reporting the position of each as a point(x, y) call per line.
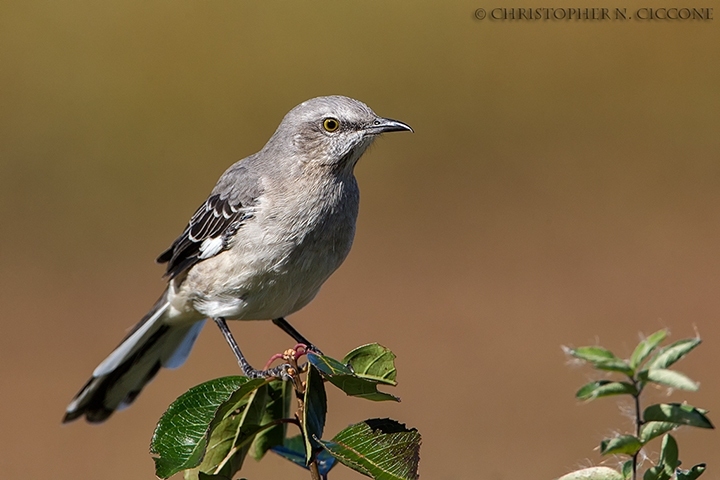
point(562, 187)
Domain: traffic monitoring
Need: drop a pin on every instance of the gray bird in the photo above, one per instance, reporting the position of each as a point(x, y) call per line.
point(275, 227)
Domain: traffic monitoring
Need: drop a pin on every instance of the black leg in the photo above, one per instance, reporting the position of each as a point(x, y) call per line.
point(297, 336)
point(248, 370)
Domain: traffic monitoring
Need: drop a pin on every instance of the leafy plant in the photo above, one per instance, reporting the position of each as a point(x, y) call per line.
point(209, 430)
point(648, 364)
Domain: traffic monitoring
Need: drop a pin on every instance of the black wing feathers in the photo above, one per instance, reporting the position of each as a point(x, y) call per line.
point(218, 217)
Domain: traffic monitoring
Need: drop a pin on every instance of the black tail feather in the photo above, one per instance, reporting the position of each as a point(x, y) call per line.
point(95, 406)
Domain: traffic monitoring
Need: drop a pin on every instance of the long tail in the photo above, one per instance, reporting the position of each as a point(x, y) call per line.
point(118, 380)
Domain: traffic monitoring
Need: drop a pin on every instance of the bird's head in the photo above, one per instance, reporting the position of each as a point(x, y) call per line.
point(331, 131)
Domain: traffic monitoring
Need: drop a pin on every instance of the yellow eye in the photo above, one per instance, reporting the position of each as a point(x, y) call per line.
point(331, 124)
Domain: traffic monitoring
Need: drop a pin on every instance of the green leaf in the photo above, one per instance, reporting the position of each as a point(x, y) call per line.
point(207, 476)
point(219, 443)
point(180, 436)
point(278, 407)
point(671, 378)
point(627, 444)
point(593, 473)
point(293, 449)
point(627, 469)
point(615, 365)
point(347, 381)
point(691, 474)
point(669, 455)
point(379, 448)
point(373, 362)
point(314, 412)
point(656, 473)
point(328, 366)
point(232, 462)
point(591, 354)
point(601, 358)
point(358, 387)
point(231, 437)
point(646, 347)
point(679, 414)
point(604, 388)
point(650, 430)
point(672, 353)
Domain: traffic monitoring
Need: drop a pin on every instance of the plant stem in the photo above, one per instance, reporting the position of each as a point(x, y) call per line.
point(300, 395)
point(314, 472)
point(638, 424)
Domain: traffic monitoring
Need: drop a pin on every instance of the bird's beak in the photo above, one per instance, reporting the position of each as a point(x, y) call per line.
point(383, 125)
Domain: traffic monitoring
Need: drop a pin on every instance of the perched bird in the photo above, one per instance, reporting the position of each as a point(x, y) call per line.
point(275, 227)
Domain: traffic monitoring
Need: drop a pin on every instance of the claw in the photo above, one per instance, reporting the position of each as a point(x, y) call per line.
point(284, 372)
point(287, 372)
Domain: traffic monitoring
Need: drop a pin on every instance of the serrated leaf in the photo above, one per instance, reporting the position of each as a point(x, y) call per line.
point(671, 378)
point(280, 396)
point(235, 453)
point(627, 444)
point(379, 448)
point(646, 347)
point(314, 412)
point(679, 414)
point(293, 449)
point(593, 473)
point(627, 469)
point(180, 436)
point(691, 474)
point(219, 442)
point(231, 437)
point(650, 430)
point(604, 388)
point(373, 362)
point(672, 353)
point(669, 454)
point(349, 383)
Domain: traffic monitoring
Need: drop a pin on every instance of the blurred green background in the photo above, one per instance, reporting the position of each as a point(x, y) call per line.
point(562, 187)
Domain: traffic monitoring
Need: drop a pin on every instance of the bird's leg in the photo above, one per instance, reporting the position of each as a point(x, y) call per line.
point(280, 371)
point(297, 336)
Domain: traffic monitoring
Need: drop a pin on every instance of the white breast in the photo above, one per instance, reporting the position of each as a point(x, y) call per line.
point(280, 258)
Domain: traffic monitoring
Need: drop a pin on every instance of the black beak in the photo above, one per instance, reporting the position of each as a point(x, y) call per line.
point(383, 125)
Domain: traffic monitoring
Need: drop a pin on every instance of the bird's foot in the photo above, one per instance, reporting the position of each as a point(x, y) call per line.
point(284, 372)
point(292, 354)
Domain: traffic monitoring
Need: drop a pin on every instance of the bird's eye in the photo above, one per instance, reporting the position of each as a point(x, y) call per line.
point(331, 124)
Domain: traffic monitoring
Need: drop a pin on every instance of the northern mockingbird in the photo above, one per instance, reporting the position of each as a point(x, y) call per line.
point(275, 227)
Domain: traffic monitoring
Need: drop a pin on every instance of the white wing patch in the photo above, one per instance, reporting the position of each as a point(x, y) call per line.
point(210, 247)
